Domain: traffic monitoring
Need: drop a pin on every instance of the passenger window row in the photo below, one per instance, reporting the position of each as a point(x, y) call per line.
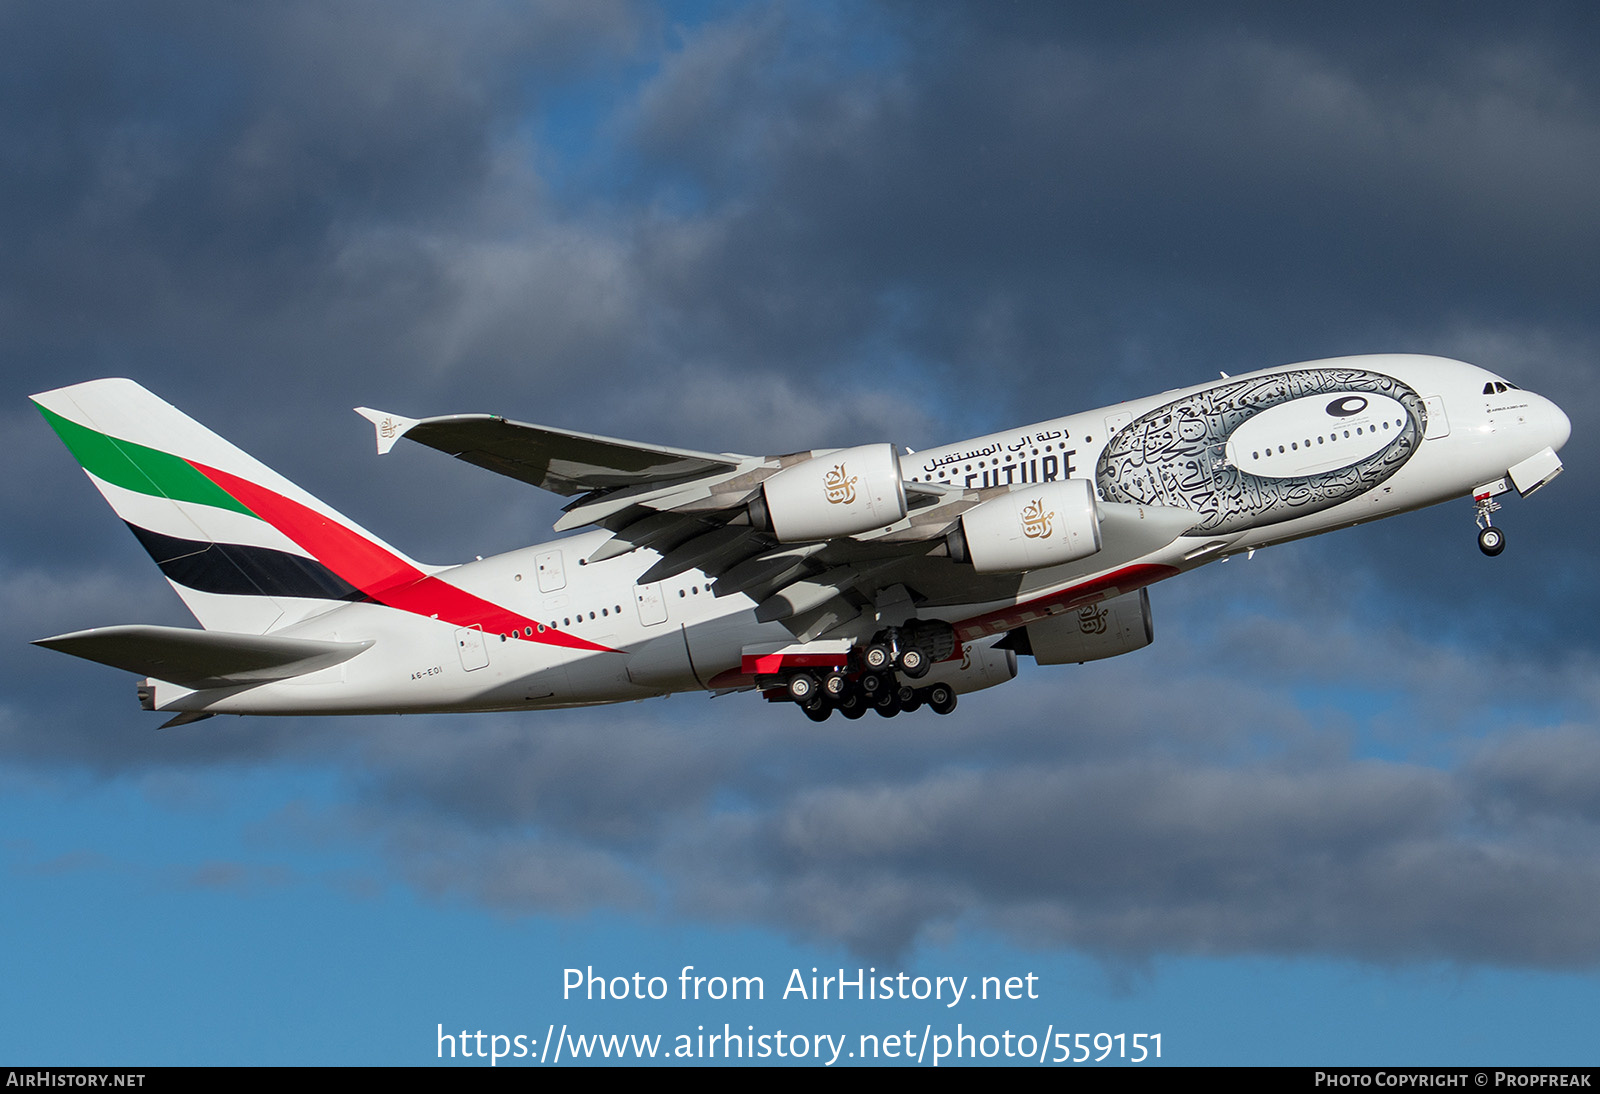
point(566, 621)
point(1294, 446)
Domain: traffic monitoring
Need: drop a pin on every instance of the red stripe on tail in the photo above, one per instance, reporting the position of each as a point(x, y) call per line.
point(384, 576)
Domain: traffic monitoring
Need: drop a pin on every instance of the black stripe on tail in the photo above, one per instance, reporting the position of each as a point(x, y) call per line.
point(237, 570)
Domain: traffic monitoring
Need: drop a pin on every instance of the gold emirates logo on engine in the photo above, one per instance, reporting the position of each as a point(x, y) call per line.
point(840, 485)
point(1092, 619)
point(1036, 523)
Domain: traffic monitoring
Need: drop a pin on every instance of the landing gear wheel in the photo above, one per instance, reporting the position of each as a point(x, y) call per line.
point(803, 687)
point(835, 685)
point(887, 704)
point(877, 657)
point(1491, 541)
point(817, 709)
point(872, 683)
point(914, 663)
point(852, 706)
point(941, 698)
point(905, 695)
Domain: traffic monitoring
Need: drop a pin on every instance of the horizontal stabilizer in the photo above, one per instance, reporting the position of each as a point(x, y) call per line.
point(203, 659)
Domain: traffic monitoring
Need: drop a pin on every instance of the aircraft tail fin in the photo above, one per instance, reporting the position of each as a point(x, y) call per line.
point(246, 549)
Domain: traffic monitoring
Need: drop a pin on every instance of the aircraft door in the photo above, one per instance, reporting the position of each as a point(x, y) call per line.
point(652, 605)
point(1438, 424)
point(551, 575)
point(470, 644)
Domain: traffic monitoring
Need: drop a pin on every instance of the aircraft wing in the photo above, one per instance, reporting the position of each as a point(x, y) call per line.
point(559, 460)
point(694, 509)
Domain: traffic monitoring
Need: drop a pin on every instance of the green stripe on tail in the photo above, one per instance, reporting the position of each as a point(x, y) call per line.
point(135, 467)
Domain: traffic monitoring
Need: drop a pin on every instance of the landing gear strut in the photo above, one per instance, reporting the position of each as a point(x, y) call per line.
point(1491, 540)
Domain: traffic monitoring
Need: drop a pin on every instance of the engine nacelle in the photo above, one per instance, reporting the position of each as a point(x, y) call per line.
point(1042, 525)
point(980, 666)
point(840, 493)
point(1119, 625)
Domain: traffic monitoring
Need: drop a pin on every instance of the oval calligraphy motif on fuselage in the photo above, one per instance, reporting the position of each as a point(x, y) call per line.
point(1196, 452)
point(1307, 437)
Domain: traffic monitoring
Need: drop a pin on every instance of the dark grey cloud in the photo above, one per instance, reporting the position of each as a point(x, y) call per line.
point(1554, 774)
point(192, 182)
point(1050, 212)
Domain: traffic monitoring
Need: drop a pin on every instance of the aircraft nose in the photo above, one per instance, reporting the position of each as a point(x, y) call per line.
point(1557, 423)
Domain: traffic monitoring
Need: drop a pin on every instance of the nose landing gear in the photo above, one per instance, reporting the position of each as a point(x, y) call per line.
point(1491, 540)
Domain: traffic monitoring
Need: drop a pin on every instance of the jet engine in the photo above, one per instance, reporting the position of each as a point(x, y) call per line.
point(840, 493)
point(1042, 525)
point(982, 664)
point(1119, 625)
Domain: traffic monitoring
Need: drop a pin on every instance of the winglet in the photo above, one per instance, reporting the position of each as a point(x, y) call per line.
point(390, 427)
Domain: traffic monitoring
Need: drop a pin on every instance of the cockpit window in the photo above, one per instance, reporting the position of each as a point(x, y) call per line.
point(1499, 387)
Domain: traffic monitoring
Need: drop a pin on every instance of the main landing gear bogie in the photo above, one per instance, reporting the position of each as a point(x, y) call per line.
point(879, 676)
point(888, 701)
point(910, 650)
point(879, 691)
point(904, 699)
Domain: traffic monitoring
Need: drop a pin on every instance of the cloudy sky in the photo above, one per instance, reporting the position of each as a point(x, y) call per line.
point(1344, 809)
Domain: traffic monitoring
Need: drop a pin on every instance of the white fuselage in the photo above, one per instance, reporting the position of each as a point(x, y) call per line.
point(676, 635)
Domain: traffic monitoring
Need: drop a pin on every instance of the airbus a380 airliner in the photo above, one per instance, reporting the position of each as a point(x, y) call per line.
point(841, 579)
